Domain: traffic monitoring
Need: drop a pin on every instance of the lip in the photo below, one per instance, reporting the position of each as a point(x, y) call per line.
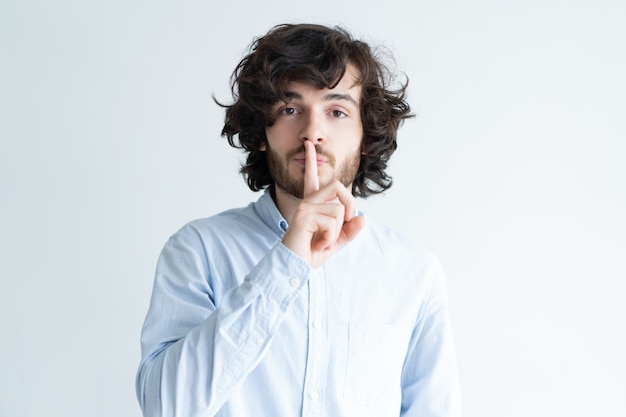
point(300, 158)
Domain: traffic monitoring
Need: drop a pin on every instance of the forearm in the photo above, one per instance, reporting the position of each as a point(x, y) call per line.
point(195, 374)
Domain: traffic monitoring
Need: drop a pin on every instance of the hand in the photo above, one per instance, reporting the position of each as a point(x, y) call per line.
point(324, 220)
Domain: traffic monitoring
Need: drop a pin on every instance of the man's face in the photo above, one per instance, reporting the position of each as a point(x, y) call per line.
point(331, 119)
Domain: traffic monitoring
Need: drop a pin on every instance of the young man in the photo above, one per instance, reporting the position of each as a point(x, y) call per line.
point(298, 305)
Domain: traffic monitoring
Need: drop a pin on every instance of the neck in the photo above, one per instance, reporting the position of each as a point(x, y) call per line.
point(286, 203)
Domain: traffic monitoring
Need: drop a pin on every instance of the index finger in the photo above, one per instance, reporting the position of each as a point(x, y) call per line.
point(311, 179)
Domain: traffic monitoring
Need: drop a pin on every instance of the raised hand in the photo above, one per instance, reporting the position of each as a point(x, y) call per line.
point(324, 220)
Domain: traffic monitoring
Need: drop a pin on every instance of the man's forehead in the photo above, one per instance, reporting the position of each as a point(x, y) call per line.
point(347, 88)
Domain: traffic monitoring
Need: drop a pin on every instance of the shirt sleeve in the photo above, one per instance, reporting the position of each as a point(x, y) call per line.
point(194, 353)
point(430, 386)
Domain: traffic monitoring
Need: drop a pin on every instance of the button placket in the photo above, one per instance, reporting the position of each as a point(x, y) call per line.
point(318, 354)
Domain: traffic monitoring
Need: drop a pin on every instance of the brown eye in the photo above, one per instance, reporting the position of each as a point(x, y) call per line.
point(288, 111)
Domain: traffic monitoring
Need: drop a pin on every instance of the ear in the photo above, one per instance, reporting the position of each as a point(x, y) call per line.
point(262, 147)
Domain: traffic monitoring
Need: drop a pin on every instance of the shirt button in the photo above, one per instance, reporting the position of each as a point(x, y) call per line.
point(259, 342)
point(314, 395)
point(295, 282)
point(317, 325)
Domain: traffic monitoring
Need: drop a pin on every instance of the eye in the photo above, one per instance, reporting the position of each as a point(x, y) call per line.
point(338, 113)
point(288, 111)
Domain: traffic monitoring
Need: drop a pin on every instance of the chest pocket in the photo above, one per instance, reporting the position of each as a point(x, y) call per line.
point(376, 354)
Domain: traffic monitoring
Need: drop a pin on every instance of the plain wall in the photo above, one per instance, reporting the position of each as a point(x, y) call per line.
point(513, 172)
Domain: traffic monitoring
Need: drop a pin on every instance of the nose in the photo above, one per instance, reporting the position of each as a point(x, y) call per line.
point(313, 128)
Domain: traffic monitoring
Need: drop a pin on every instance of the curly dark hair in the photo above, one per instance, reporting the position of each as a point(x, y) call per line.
point(316, 55)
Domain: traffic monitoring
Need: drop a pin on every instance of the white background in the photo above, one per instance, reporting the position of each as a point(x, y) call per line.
point(513, 173)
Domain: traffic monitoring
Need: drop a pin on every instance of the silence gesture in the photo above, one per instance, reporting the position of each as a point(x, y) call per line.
point(324, 220)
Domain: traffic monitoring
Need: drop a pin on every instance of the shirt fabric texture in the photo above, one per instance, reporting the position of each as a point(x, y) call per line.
point(240, 326)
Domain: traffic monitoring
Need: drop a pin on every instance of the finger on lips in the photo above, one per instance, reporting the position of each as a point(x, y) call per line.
point(335, 190)
point(311, 179)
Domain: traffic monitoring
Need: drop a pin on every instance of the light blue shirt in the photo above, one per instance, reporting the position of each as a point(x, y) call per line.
point(240, 326)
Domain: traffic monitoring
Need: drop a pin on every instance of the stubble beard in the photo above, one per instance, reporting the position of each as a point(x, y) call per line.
point(279, 170)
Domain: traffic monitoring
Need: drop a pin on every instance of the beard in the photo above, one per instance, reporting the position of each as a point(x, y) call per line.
point(279, 170)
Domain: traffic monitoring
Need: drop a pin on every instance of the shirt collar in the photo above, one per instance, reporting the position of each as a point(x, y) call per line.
point(268, 212)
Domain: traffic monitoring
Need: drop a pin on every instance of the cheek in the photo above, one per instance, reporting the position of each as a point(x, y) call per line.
point(278, 135)
point(352, 129)
point(351, 139)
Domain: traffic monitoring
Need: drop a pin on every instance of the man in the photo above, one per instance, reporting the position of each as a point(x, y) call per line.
point(297, 305)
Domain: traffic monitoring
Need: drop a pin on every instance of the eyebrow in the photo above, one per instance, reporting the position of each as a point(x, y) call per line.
point(327, 97)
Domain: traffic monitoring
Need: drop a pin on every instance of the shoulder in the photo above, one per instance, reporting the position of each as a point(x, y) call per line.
point(400, 251)
point(219, 225)
point(388, 239)
point(221, 221)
